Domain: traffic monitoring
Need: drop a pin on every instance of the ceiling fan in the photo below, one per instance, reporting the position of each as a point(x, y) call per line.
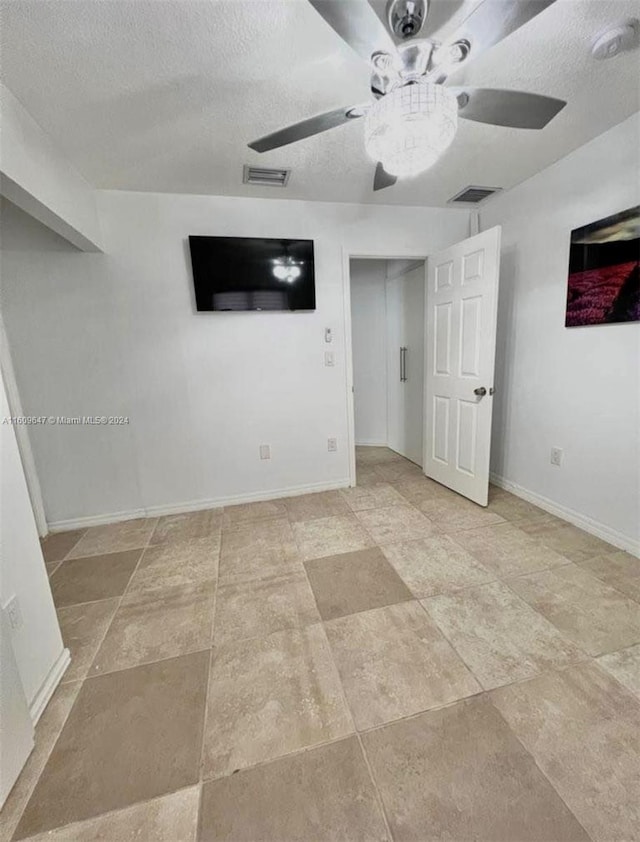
point(414, 115)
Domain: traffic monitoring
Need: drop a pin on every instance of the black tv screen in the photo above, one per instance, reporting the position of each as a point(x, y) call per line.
point(243, 273)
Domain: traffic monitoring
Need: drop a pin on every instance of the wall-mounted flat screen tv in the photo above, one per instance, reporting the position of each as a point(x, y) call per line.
point(242, 273)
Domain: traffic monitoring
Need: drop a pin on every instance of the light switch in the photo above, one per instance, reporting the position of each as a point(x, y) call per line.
point(329, 358)
point(328, 334)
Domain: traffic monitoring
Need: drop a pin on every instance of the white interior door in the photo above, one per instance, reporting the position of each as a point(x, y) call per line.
point(405, 373)
point(462, 297)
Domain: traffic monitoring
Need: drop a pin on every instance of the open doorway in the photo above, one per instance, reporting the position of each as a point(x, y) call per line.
point(387, 335)
point(439, 404)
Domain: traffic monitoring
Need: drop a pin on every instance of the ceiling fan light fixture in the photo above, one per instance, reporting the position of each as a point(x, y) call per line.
point(286, 269)
point(411, 127)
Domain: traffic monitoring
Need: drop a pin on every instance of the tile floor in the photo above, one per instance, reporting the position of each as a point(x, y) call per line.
point(388, 662)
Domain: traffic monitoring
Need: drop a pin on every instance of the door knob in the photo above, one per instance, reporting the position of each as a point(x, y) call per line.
point(480, 391)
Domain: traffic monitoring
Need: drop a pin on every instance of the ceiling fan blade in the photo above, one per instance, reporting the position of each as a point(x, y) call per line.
point(307, 128)
point(357, 24)
point(516, 109)
point(494, 20)
point(382, 178)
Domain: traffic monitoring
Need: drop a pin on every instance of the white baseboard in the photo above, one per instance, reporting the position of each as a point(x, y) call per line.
point(594, 527)
point(49, 685)
point(195, 505)
point(371, 444)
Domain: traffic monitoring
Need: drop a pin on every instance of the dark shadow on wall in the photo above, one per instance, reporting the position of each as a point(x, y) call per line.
point(21, 232)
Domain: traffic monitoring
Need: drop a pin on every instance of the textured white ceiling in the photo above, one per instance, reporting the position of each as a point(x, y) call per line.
point(164, 95)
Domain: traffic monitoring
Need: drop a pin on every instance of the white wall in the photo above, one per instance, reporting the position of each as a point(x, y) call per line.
point(37, 645)
point(35, 176)
point(575, 388)
point(116, 334)
point(368, 338)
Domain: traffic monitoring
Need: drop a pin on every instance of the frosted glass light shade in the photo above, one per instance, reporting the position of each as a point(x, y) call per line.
point(409, 129)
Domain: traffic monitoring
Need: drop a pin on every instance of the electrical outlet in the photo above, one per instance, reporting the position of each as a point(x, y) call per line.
point(14, 615)
point(329, 359)
point(332, 445)
point(265, 451)
point(556, 456)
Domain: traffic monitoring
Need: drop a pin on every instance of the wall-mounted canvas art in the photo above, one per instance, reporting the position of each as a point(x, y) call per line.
point(604, 271)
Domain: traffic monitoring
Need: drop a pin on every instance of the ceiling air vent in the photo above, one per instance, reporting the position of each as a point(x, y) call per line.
point(474, 195)
point(264, 176)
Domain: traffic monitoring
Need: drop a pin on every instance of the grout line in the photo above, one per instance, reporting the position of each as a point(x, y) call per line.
point(80, 537)
point(534, 760)
point(205, 720)
point(436, 625)
point(209, 668)
point(57, 565)
point(74, 824)
point(122, 595)
point(146, 663)
point(376, 789)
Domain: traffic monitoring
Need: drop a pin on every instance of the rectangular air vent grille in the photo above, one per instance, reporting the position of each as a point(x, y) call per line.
point(473, 195)
point(264, 176)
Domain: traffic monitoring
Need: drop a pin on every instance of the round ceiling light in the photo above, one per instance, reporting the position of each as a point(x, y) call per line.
point(409, 128)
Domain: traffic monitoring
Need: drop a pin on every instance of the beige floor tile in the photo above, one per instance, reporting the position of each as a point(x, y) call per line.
point(417, 489)
point(170, 818)
point(366, 475)
point(367, 455)
point(398, 470)
point(625, 666)
point(187, 526)
point(56, 545)
point(330, 535)
point(566, 539)
point(453, 513)
point(394, 662)
point(507, 550)
point(583, 729)
point(235, 515)
point(52, 566)
point(131, 736)
point(176, 564)
point(510, 507)
point(47, 732)
point(269, 697)
point(499, 636)
point(436, 565)
point(596, 617)
point(83, 628)
point(152, 627)
point(311, 506)
point(114, 538)
point(620, 570)
point(95, 577)
point(372, 497)
point(540, 524)
point(262, 606)
point(351, 582)
point(324, 795)
point(396, 523)
point(459, 774)
point(259, 549)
